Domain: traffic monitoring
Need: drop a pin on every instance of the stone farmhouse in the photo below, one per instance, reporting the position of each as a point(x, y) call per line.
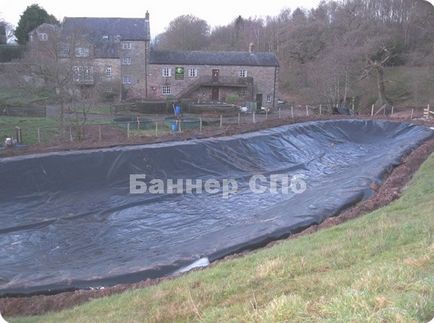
point(117, 52)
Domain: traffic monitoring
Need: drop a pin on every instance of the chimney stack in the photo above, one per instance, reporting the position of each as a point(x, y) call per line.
point(147, 15)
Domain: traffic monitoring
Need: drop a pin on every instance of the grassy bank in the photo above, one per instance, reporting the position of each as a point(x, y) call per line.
point(379, 267)
point(47, 128)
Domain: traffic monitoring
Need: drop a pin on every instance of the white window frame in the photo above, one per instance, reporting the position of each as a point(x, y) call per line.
point(126, 79)
point(43, 36)
point(166, 90)
point(126, 60)
point(269, 98)
point(243, 73)
point(81, 52)
point(82, 73)
point(192, 72)
point(127, 45)
point(76, 74)
point(166, 72)
point(108, 71)
point(87, 73)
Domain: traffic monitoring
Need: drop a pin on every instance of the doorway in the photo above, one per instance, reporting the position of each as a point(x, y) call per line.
point(259, 101)
point(215, 94)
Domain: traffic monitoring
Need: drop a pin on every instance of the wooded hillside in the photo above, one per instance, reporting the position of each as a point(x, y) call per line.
point(375, 51)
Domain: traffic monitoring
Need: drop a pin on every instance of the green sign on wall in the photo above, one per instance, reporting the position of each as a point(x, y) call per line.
point(179, 73)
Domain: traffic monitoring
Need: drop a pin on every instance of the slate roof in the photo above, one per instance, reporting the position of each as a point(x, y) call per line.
point(213, 58)
point(134, 29)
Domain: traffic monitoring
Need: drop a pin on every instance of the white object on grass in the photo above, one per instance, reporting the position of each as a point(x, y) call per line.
point(201, 263)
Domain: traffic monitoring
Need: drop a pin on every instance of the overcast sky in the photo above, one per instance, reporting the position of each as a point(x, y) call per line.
point(216, 12)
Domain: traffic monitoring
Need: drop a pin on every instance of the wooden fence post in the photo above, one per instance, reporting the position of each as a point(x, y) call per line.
point(254, 117)
point(39, 135)
point(99, 133)
point(221, 121)
point(239, 118)
point(307, 110)
point(18, 135)
point(156, 128)
point(372, 110)
point(200, 124)
point(292, 111)
point(412, 113)
point(320, 109)
point(128, 130)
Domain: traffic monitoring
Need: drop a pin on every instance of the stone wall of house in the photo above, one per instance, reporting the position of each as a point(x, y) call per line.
point(134, 71)
point(109, 83)
point(263, 82)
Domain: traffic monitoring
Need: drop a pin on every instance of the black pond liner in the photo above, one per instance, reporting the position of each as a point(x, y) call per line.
point(67, 220)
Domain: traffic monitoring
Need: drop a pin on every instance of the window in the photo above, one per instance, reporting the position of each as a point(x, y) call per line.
point(82, 74)
point(43, 37)
point(192, 72)
point(75, 74)
point(127, 45)
point(81, 52)
point(269, 98)
point(166, 72)
point(126, 61)
point(108, 71)
point(64, 50)
point(87, 73)
point(243, 73)
point(166, 89)
point(126, 79)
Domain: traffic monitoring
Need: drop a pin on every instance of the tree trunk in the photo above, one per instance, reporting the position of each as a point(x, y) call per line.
point(382, 99)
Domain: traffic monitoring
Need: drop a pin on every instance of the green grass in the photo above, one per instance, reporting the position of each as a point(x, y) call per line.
point(377, 268)
point(102, 109)
point(48, 128)
point(18, 97)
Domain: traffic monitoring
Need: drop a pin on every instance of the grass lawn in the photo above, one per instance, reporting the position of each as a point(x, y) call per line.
point(379, 267)
point(102, 109)
point(20, 97)
point(48, 128)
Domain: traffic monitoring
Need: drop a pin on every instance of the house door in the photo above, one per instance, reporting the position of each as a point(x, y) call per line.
point(259, 100)
point(215, 93)
point(215, 75)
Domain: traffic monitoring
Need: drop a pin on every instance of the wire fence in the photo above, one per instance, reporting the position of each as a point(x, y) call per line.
point(117, 128)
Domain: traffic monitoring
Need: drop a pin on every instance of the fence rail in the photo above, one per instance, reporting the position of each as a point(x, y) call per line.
point(119, 129)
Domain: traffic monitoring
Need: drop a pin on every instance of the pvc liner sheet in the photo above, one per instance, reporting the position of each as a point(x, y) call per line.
point(68, 219)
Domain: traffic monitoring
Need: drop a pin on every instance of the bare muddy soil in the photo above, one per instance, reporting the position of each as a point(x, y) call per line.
point(391, 189)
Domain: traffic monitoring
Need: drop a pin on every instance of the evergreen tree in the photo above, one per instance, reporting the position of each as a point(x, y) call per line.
point(31, 18)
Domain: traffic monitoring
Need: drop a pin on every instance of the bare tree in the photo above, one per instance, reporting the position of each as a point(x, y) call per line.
point(6, 31)
point(184, 33)
point(376, 63)
point(63, 66)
